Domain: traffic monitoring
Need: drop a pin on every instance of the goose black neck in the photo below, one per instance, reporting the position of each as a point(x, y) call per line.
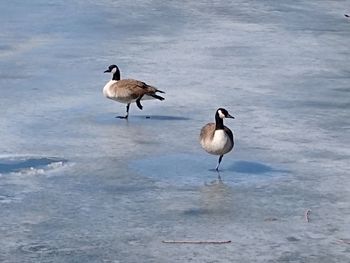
point(219, 122)
point(116, 75)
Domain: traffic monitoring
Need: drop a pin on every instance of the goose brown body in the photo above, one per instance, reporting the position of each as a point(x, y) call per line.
point(129, 90)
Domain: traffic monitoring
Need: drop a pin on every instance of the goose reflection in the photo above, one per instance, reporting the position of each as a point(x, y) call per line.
point(216, 196)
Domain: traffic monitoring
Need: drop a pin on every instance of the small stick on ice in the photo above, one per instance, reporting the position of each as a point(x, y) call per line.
point(307, 215)
point(346, 15)
point(196, 242)
point(344, 241)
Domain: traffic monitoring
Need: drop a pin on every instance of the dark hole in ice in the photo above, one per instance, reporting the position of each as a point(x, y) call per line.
point(5, 197)
point(292, 239)
point(195, 212)
point(10, 165)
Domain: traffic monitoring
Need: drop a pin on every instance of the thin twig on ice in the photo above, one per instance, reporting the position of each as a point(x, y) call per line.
point(196, 242)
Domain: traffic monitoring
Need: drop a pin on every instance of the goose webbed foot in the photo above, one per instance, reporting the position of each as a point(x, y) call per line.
point(122, 117)
point(127, 113)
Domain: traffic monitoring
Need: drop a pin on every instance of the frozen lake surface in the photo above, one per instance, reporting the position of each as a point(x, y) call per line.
point(78, 185)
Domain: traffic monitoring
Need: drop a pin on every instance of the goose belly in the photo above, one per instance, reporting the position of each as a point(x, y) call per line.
point(115, 94)
point(129, 99)
point(219, 144)
point(122, 99)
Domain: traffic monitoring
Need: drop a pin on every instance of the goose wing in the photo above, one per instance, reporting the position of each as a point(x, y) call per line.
point(229, 133)
point(132, 88)
point(136, 86)
point(207, 132)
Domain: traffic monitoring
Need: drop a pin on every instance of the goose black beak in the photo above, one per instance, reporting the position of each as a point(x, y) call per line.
point(229, 116)
point(106, 71)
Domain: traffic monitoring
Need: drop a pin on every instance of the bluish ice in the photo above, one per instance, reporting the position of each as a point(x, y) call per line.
point(78, 185)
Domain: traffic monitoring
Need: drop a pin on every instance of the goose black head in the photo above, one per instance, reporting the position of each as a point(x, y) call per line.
point(222, 113)
point(112, 69)
point(115, 72)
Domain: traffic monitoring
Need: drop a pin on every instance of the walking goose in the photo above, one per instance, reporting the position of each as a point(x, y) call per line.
point(128, 90)
point(216, 138)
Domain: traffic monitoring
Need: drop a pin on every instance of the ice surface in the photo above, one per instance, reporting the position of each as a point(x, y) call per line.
point(78, 185)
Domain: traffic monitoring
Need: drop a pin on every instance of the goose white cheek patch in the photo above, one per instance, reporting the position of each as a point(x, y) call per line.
point(221, 115)
point(114, 70)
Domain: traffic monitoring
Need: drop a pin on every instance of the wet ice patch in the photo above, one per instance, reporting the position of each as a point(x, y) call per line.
point(19, 174)
point(162, 117)
point(109, 118)
point(192, 169)
point(26, 165)
point(5, 198)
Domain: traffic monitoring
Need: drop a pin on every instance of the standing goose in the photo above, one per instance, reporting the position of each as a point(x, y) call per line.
point(128, 90)
point(216, 138)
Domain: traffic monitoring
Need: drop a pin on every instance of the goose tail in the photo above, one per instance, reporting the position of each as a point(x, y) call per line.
point(157, 96)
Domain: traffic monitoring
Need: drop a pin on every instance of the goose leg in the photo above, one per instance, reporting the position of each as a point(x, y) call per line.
point(127, 112)
point(217, 167)
point(138, 102)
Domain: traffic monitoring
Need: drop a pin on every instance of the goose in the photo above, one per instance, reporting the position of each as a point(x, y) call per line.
point(128, 90)
point(216, 138)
